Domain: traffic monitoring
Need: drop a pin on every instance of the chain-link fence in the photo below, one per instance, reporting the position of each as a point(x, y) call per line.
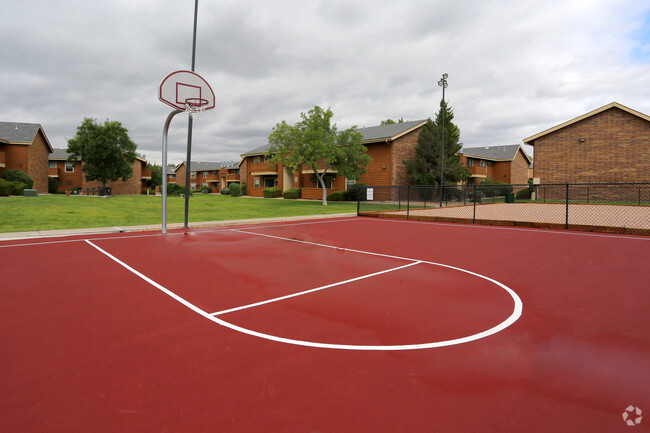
point(614, 208)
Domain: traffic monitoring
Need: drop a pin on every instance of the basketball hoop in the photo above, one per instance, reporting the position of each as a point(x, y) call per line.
point(195, 106)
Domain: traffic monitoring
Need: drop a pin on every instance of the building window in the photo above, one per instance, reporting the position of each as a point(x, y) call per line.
point(69, 167)
point(257, 182)
point(270, 182)
point(193, 186)
point(193, 175)
point(257, 160)
point(469, 162)
point(51, 164)
point(327, 180)
point(172, 176)
point(205, 175)
point(483, 163)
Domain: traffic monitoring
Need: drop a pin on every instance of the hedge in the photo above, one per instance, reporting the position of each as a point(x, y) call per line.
point(272, 192)
point(5, 187)
point(175, 189)
point(336, 196)
point(225, 191)
point(18, 188)
point(292, 193)
point(235, 189)
point(18, 175)
point(353, 192)
point(243, 189)
point(524, 194)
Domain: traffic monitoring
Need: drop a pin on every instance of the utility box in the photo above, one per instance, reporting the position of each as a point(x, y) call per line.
point(30, 193)
point(510, 197)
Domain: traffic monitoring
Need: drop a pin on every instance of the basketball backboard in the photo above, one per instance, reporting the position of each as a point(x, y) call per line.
point(179, 86)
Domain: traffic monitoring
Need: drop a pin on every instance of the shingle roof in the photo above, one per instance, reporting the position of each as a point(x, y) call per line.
point(207, 166)
point(257, 151)
point(389, 132)
point(494, 153)
point(21, 133)
point(370, 134)
point(531, 140)
point(58, 154)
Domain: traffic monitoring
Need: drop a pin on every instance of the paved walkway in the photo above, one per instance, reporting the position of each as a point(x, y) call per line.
point(156, 227)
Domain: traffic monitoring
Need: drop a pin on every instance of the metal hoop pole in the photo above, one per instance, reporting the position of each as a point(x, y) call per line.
point(164, 169)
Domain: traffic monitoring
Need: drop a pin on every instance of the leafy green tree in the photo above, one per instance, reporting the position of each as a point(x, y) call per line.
point(424, 168)
point(315, 143)
point(391, 121)
point(106, 150)
point(156, 175)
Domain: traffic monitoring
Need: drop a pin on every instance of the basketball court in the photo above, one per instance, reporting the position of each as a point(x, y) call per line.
point(333, 325)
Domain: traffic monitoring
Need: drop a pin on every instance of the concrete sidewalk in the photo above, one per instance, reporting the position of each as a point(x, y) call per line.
point(156, 227)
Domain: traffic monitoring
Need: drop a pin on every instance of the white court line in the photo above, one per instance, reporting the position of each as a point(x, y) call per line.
point(281, 298)
point(516, 314)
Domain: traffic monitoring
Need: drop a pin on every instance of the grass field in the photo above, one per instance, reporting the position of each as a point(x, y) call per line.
point(56, 212)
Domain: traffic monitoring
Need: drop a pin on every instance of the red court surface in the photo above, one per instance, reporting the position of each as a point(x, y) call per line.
point(341, 325)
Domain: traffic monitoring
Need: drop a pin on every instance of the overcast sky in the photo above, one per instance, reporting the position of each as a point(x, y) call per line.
point(516, 67)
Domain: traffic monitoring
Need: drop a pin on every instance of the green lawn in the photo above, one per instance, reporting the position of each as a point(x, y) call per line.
point(55, 212)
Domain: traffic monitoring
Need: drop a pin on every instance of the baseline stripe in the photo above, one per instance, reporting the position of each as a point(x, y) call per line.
point(281, 298)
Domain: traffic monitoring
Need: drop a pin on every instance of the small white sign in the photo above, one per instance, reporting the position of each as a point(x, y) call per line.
point(369, 194)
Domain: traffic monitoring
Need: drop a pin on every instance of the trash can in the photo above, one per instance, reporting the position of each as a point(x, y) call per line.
point(104, 191)
point(510, 197)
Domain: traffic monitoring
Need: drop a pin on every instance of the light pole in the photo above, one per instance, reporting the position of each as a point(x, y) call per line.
point(442, 83)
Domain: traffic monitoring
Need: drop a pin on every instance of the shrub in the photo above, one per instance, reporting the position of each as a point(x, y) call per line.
point(493, 188)
point(243, 189)
point(356, 190)
point(272, 192)
point(52, 185)
point(225, 191)
point(524, 194)
point(18, 188)
point(174, 189)
point(336, 196)
point(20, 176)
point(235, 189)
point(292, 193)
point(5, 187)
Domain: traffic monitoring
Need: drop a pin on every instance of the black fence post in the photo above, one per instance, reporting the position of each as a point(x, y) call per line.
point(474, 215)
point(358, 200)
point(399, 197)
point(566, 220)
point(408, 201)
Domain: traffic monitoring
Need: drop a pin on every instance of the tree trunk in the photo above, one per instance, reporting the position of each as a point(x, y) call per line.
point(322, 185)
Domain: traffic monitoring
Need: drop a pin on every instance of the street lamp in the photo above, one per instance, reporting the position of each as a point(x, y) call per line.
point(442, 83)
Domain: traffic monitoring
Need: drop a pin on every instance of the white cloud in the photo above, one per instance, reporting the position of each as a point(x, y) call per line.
point(515, 68)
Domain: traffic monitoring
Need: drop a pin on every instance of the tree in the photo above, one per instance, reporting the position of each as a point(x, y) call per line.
point(391, 121)
point(156, 175)
point(106, 150)
point(424, 168)
point(315, 143)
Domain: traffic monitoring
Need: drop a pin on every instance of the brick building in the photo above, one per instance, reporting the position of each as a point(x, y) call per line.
point(388, 146)
point(24, 146)
point(609, 144)
point(70, 175)
point(215, 175)
point(507, 164)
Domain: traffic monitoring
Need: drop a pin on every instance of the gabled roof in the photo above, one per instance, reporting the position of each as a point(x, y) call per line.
point(531, 140)
point(257, 151)
point(58, 154)
point(21, 133)
point(375, 134)
point(495, 153)
point(206, 166)
point(372, 134)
